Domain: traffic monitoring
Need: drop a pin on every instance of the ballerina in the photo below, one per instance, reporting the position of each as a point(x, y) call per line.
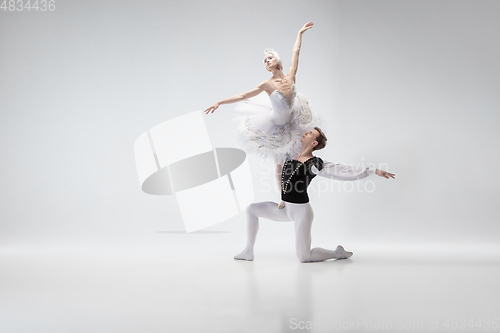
point(272, 128)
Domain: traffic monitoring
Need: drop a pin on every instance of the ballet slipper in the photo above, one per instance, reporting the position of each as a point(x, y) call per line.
point(244, 256)
point(343, 253)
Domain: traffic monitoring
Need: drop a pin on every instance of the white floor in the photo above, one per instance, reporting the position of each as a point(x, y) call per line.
point(174, 289)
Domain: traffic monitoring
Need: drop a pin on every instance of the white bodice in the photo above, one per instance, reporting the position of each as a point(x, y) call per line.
point(282, 107)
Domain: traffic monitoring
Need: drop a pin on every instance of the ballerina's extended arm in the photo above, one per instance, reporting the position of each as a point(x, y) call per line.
point(292, 71)
point(236, 98)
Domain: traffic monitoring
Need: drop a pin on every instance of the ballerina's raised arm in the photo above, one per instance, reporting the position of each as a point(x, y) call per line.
point(292, 71)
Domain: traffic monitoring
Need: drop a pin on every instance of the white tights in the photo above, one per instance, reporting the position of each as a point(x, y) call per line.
point(303, 216)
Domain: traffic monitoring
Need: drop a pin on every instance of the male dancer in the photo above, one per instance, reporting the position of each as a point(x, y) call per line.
point(296, 174)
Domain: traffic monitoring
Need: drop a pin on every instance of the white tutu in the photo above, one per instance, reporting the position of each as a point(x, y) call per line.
point(271, 127)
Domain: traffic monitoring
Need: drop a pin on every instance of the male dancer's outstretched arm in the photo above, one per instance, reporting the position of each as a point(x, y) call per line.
point(345, 172)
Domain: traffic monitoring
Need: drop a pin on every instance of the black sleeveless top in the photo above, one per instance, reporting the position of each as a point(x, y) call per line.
point(295, 178)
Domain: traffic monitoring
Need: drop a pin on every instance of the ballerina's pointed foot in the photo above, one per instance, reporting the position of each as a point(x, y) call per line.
point(343, 253)
point(244, 256)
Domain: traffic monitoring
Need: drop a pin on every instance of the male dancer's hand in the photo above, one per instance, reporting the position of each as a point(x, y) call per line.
point(385, 174)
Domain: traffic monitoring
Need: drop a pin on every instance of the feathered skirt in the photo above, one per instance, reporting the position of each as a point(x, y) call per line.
point(258, 135)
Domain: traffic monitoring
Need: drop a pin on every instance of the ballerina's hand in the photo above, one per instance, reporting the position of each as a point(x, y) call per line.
point(306, 26)
point(212, 108)
point(385, 174)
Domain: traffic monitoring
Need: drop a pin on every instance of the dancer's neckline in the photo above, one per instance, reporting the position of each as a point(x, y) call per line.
point(305, 160)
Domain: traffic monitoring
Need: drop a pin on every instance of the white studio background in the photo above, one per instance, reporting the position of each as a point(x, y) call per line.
point(411, 85)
